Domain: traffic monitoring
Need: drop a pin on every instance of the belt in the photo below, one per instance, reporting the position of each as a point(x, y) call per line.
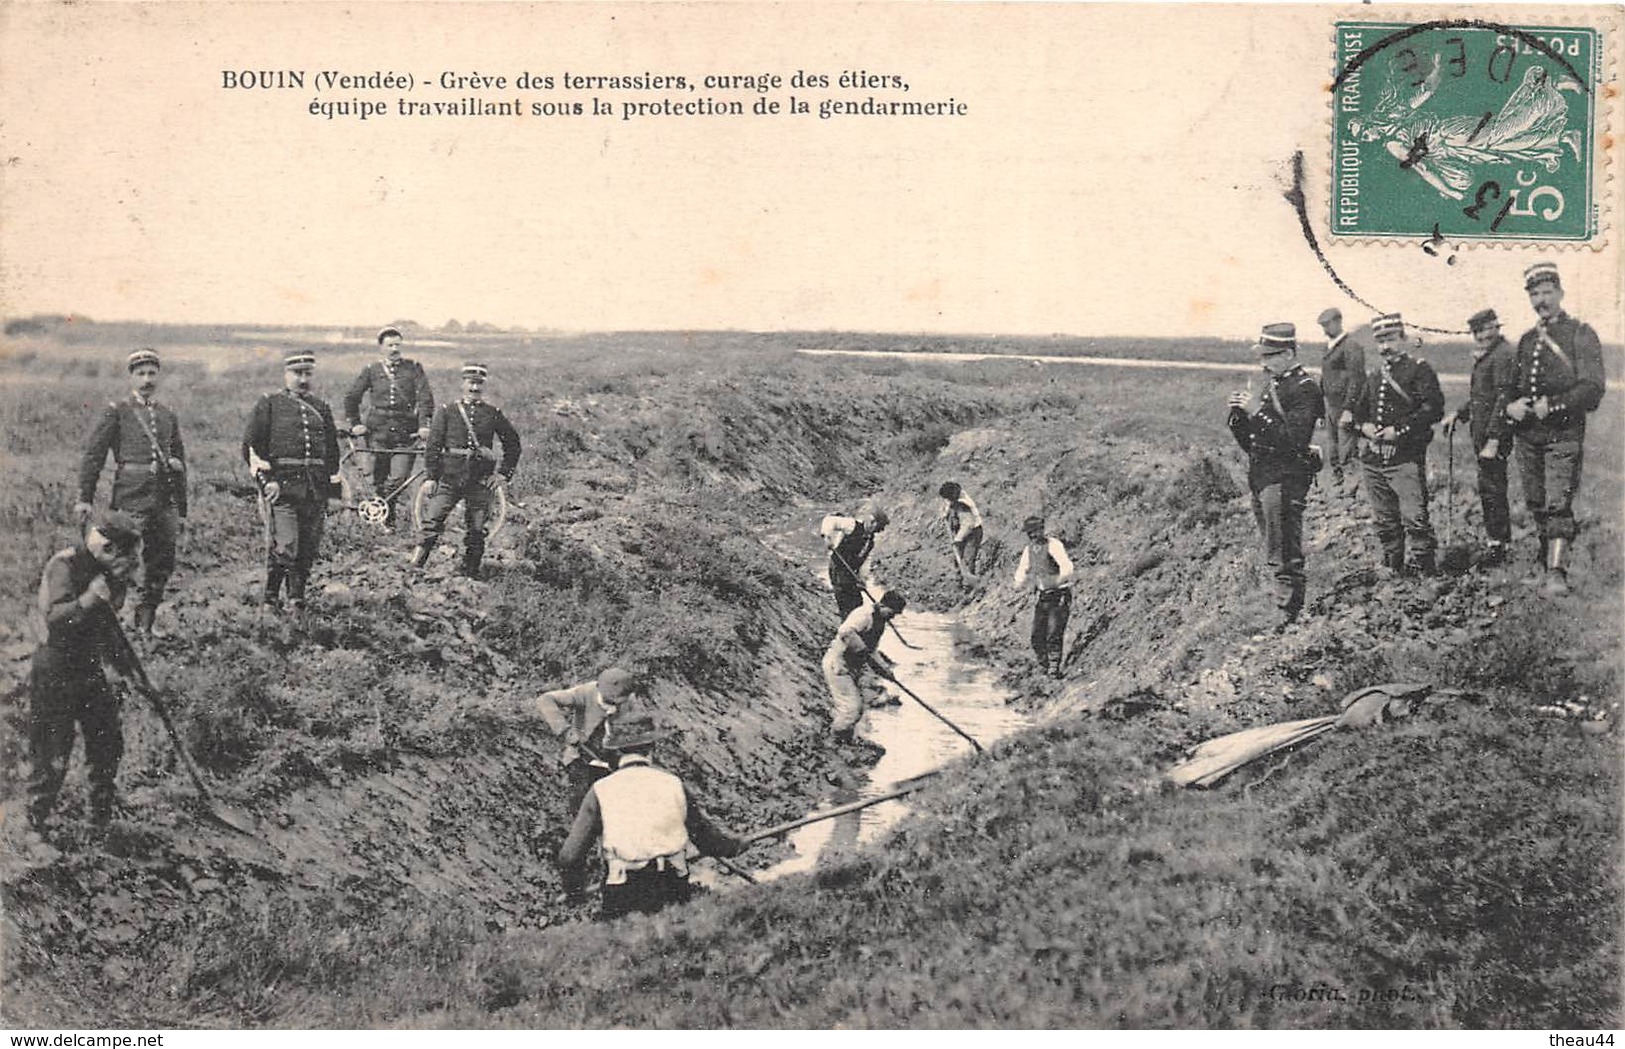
point(466, 453)
point(298, 462)
point(138, 467)
point(1054, 591)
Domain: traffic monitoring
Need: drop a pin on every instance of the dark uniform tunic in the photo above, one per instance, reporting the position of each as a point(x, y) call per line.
point(1276, 439)
point(460, 457)
point(1404, 394)
point(296, 437)
point(402, 404)
point(143, 436)
point(1561, 361)
point(69, 686)
point(1485, 414)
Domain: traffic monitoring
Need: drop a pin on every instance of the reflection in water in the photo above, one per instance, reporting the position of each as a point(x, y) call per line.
point(915, 741)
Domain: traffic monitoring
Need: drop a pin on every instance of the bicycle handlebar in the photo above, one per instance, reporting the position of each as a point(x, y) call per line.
point(359, 444)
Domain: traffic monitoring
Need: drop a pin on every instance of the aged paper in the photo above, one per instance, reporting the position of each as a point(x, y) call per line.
point(219, 162)
point(1112, 171)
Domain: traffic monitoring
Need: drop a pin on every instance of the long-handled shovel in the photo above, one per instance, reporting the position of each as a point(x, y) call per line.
point(871, 599)
point(965, 574)
point(781, 829)
point(929, 709)
point(240, 823)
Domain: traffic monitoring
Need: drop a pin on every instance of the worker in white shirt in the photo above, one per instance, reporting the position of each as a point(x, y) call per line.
point(850, 539)
point(1045, 563)
point(646, 819)
point(856, 643)
point(964, 523)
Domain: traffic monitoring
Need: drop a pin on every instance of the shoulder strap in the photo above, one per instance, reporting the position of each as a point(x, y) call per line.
point(1551, 344)
point(1388, 377)
point(468, 424)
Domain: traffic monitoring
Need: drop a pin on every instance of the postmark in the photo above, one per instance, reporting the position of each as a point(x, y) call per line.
point(1465, 130)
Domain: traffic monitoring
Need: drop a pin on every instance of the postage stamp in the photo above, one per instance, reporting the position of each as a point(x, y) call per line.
point(1465, 129)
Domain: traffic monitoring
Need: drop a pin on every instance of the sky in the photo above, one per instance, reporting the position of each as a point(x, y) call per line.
point(1118, 170)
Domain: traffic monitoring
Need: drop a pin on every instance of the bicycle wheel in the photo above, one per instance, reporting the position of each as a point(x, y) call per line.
point(493, 524)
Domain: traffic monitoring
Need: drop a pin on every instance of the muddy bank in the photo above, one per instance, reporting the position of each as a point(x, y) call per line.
point(416, 804)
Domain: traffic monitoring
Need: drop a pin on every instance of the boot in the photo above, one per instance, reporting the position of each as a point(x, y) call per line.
point(1425, 565)
point(473, 554)
point(296, 589)
point(1557, 575)
point(1055, 664)
point(420, 553)
point(144, 615)
point(273, 586)
point(1495, 553)
point(101, 807)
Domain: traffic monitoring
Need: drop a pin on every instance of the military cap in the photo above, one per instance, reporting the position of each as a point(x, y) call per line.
point(1540, 272)
point(119, 528)
point(299, 361)
point(1483, 319)
point(1277, 338)
point(387, 332)
point(634, 726)
point(143, 356)
point(1331, 313)
point(1033, 524)
point(615, 682)
point(1386, 323)
point(475, 371)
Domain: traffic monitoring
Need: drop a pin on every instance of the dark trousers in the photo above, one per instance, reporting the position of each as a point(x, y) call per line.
point(476, 500)
point(1341, 437)
point(297, 522)
point(969, 547)
point(159, 530)
point(1050, 614)
point(1550, 471)
point(644, 892)
point(1278, 509)
point(61, 703)
point(848, 591)
point(1399, 503)
point(1492, 496)
point(389, 472)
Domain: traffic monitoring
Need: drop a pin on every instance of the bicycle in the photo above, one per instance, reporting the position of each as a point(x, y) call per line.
point(374, 509)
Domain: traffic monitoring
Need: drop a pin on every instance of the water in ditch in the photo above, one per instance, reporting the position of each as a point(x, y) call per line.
point(915, 741)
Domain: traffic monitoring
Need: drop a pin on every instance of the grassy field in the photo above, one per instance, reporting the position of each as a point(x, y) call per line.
point(1459, 869)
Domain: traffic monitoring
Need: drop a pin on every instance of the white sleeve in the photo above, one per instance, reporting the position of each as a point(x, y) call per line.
point(1063, 563)
point(836, 528)
point(1021, 569)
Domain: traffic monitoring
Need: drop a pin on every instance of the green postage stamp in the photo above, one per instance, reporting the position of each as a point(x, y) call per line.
point(1465, 129)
